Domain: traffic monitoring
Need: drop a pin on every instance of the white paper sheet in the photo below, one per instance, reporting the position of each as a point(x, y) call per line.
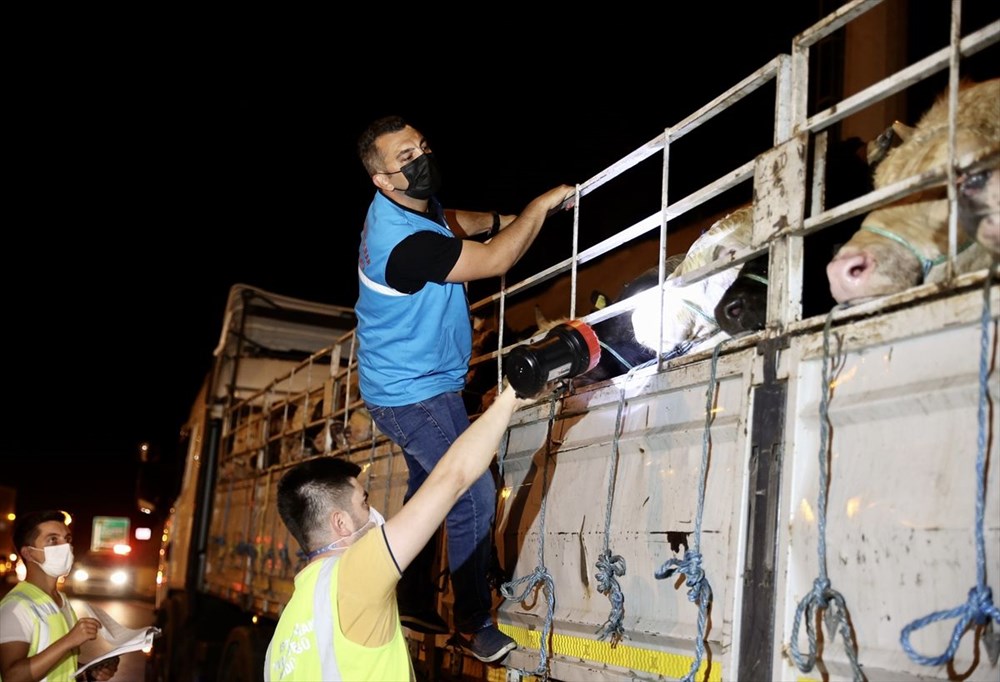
point(117, 639)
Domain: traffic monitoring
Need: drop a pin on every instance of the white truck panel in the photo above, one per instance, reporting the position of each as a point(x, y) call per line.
point(902, 484)
point(653, 516)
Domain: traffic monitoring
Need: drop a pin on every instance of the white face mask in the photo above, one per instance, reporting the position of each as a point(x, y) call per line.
point(374, 519)
point(58, 559)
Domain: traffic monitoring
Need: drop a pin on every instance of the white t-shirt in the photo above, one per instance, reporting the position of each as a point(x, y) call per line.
point(17, 620)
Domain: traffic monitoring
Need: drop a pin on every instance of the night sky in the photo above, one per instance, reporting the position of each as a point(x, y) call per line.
point(155, 167)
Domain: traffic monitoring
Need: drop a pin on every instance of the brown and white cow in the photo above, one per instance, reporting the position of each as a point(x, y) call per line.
point(906, 243)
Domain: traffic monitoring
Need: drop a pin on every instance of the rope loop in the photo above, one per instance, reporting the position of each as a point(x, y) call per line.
point(978, 609)
point(540, 576)
point(699, 591)
point(823, 597)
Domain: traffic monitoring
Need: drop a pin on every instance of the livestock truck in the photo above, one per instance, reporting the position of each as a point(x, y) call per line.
point(819, 499)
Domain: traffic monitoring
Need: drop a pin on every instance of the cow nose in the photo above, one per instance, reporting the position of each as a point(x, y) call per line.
point(849, 274)
point(734, 309)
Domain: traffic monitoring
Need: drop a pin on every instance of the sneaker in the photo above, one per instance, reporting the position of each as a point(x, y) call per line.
point(426, 621)
point(488, 645)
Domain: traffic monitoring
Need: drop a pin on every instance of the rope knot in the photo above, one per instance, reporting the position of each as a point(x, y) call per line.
point(699, 591)
point(690, 566)
point(821, 591)
point(608, 566)
point(541, 577)
point(981, 604)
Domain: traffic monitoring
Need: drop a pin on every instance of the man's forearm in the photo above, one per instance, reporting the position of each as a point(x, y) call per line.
point(469, 223)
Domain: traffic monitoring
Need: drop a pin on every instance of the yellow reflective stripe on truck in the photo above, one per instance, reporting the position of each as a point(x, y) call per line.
point(622, 656)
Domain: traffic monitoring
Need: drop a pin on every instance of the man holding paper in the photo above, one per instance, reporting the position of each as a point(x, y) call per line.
point(40, 634)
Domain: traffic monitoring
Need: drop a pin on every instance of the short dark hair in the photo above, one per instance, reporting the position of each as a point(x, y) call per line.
point(367, 151)
point(309, 492)
point(26, 527)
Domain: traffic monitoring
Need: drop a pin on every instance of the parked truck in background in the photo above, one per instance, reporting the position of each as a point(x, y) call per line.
point(275, 374)
point(812, 501)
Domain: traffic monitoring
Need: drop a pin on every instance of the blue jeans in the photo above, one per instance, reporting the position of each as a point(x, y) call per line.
point(424, 431)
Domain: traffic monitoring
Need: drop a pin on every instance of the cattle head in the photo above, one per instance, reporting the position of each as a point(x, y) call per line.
point(687, 310)
point(896, 248)
point(620, 351)
point(905, 244)
point(744, 305)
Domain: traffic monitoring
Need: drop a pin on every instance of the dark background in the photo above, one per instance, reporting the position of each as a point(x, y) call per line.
point(156, 161)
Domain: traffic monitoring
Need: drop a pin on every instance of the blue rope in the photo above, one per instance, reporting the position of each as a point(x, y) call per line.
point(540, 576)
point(699, 589)
point(979, 608)
point(823, 596)
point(611, 566)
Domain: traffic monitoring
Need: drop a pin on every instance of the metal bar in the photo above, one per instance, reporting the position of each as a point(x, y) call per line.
point(902, 79)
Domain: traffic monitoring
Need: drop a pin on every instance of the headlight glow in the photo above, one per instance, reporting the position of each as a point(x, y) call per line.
point(119, 577)
point(80, 575)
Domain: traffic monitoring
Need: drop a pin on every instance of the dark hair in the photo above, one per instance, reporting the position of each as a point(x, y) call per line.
point(367, 151)
point(310, 491)
point(26, 527)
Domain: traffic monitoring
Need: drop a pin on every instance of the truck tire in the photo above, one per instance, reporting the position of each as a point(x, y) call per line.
point(242, 656)
point(167, 647)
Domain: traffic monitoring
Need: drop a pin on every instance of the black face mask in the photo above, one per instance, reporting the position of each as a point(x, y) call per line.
point(423, 175)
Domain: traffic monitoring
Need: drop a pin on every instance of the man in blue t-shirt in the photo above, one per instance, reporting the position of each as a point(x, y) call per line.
point(415, 342)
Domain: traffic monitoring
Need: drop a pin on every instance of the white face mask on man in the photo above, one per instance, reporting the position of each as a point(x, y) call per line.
point(58, 559)
point(374, 519)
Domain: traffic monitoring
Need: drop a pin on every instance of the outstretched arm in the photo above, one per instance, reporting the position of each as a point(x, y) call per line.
point(479, 261)
point(469, 223)
point(464, 462)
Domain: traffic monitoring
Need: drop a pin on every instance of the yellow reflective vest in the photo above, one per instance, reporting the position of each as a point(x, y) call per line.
point(49, 625)
point(309, 645)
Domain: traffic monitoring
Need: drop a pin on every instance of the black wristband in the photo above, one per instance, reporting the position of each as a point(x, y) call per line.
point(496, 225)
